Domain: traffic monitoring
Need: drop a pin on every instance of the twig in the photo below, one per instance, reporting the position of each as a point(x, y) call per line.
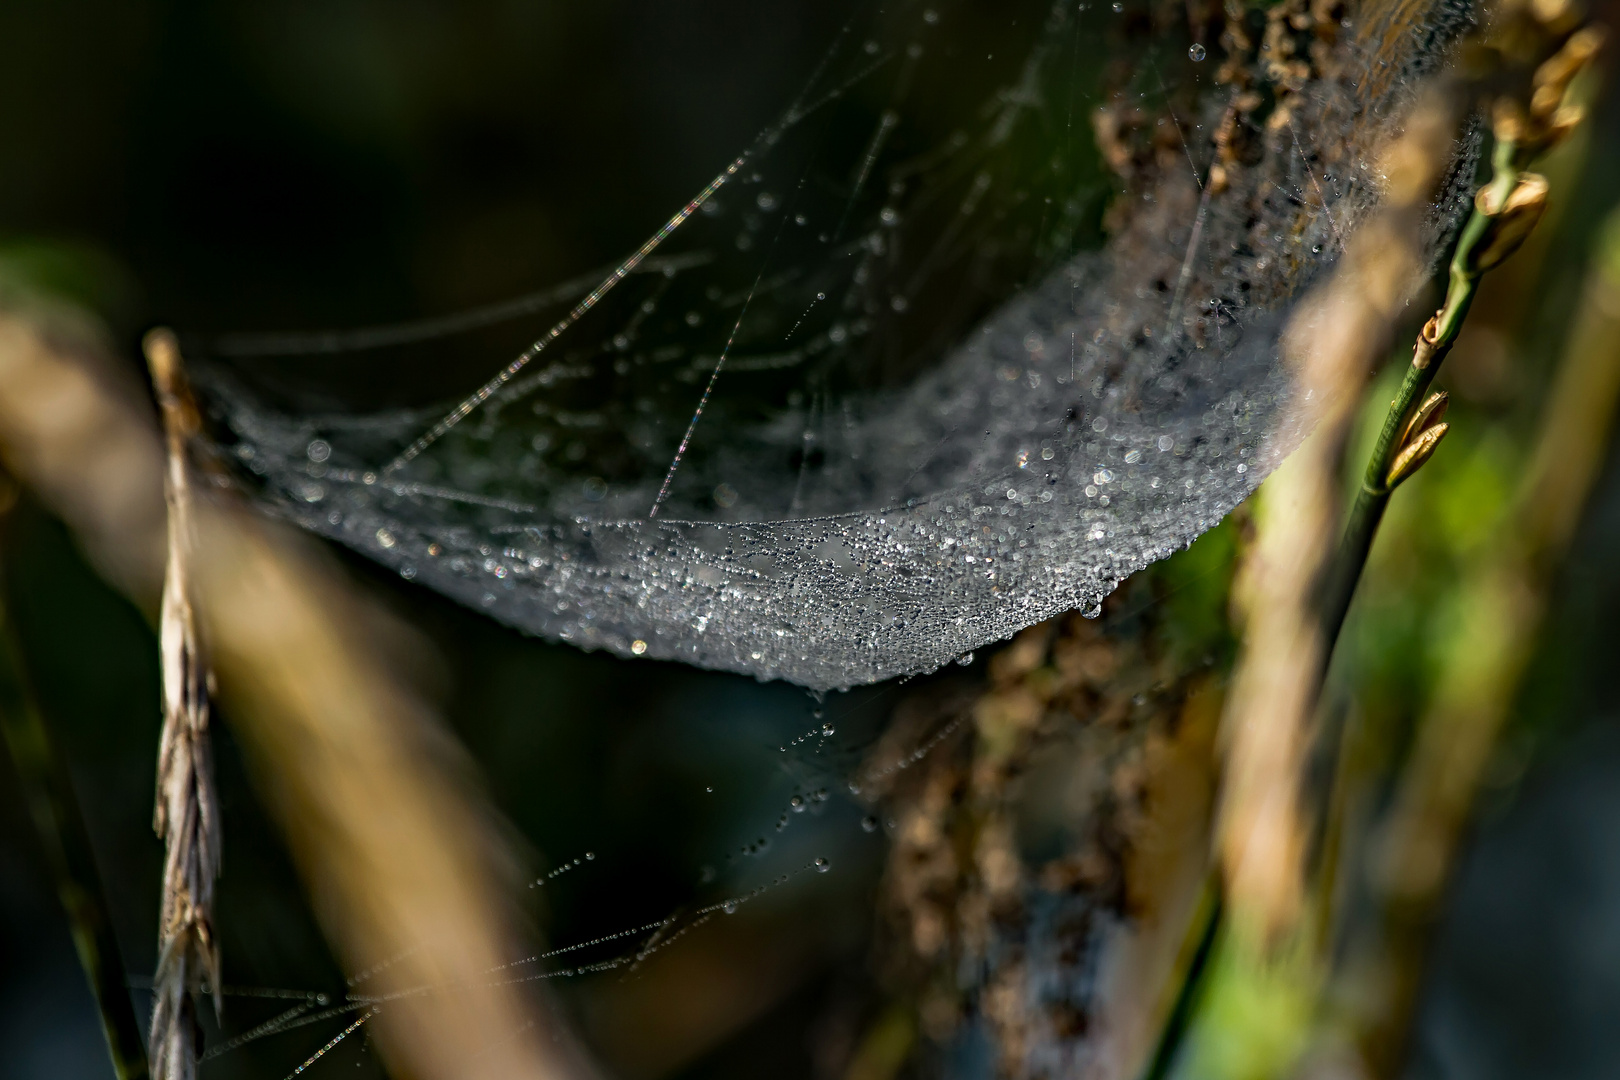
point(1505, 211)
point(187, 813)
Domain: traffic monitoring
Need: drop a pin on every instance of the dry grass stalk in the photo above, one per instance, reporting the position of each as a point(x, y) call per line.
point(187, 811)
point(387, 833)
point(1335, 340)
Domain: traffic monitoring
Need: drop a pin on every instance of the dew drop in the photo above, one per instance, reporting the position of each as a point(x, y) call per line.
point(869, 823)
point(1197, 53)
point(797, 803)
point(822, 866)
point(638, 647)
point(827, 730)
point(729, 907)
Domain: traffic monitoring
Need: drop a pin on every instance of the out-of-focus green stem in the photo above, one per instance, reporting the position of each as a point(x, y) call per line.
point(1193, 983)
point(43, 781)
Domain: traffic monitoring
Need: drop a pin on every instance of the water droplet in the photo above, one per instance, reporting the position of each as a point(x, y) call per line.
point(965, 659)
point(1166, 442)
point(797, 804)
point(869, 823)
point(1197, 53)
point(827, 730)
point(710, 789)
point(729, 907)
point(1047, 453)
point(638, 647)
point(1118, 8)
point(822, 866)
point(319, 450)
point(385, 538)
point(590, 856)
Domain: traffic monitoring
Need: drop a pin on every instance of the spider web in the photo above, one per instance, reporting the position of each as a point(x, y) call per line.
point(881, 393)
point(965, 337)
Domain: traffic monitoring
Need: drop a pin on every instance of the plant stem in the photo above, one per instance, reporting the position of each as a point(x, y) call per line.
point(1433, 344)
point(1188, 995)
point(48, 791)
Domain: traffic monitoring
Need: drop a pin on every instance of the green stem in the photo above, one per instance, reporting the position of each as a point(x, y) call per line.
point(1432, 348)
point(48, 792)
point(1179, 1022)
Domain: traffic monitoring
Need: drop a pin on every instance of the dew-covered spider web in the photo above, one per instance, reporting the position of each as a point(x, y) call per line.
point(983, 322)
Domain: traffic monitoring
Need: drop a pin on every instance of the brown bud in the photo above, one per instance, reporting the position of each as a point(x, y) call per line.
point(1551, 12)
point(1559, 70)
point(1509, 123)
point(1428, 340)
point(1430, 415)
point(1416, 452)
point(1510, 222)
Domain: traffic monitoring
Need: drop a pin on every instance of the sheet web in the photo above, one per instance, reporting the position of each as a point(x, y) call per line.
point(880, 394)
point(984, 322)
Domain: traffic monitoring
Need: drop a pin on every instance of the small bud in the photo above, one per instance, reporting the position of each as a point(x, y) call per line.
point(1427, 342)
point(1550, 12)
point(1430, 415)
point(1564, 121)
point(1509, 124)
point(1411, 459)
point(1559, 70)
point(1510, 222)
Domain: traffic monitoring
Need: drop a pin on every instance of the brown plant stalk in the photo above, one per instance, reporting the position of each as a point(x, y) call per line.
point(187, 812)
point(401, 858)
